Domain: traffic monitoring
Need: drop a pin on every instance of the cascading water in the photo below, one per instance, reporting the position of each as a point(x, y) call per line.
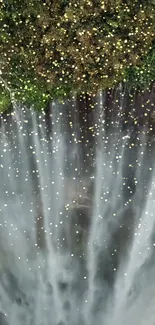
point(77, 220)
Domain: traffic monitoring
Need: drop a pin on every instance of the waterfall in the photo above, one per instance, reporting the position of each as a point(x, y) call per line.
point(77, 215)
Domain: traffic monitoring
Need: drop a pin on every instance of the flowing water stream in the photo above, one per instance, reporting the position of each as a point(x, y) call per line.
point(77, 218)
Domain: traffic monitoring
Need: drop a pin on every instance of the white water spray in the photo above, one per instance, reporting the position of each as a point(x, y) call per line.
point(76, 243)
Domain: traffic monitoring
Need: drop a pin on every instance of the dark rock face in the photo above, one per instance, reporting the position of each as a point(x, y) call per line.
point(11, 286)
point(61, 323)
point(63, 286)
point(67, 305)
point(3, 319)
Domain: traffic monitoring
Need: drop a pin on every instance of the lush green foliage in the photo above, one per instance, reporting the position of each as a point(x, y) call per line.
point(141, 77)
point(50, 48)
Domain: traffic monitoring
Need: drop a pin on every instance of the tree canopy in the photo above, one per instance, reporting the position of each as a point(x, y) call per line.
point(50, 48)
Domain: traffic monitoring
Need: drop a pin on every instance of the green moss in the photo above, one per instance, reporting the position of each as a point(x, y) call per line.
point(5, 102)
